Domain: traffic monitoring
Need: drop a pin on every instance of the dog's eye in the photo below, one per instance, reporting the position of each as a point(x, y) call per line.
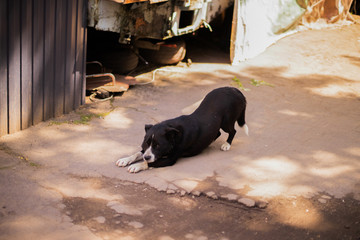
point(155, 145)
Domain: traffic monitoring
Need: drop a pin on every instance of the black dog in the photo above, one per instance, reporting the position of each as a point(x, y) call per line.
point(188, 135)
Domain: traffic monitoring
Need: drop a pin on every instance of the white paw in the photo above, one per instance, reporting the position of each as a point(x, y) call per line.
point(122, 162)
point(137, 167)
point(226, 146)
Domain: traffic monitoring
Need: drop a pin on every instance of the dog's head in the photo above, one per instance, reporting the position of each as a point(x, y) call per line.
point(160, 141)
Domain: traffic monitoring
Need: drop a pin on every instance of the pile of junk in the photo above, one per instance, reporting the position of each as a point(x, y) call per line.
point(125, 34)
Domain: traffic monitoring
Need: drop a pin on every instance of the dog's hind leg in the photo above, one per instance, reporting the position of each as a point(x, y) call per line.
point(217, 136)
point(226, 146)
point(228, 125)
point(242, 123)
point(246, 129)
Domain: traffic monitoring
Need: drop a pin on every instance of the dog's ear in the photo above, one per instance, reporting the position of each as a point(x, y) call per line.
point(148, 126)
point(173, 134)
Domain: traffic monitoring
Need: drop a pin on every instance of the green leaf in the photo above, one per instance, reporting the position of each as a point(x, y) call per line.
point(258, 83)
point(239, 84)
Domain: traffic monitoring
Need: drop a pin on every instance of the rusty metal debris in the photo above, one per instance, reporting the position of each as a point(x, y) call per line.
point(104, 84)
point(155, 19)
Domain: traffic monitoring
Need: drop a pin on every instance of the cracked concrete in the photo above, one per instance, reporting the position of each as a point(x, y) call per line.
point(303, 145)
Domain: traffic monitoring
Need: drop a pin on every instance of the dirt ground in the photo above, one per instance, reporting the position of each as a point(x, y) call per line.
point(295, 177)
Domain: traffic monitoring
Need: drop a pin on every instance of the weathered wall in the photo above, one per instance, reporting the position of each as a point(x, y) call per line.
point(42, 60)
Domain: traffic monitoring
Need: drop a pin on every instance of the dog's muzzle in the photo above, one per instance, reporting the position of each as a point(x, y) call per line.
point(149, 156)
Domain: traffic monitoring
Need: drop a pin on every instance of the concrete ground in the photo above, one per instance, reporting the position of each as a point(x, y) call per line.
point(297, 176)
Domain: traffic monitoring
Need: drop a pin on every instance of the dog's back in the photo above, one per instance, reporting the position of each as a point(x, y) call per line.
point(225, 101)
point(220, 109)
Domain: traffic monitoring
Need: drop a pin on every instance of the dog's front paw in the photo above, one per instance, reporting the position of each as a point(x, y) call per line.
point(122, 162)
point(137, 167)
point(226, 146)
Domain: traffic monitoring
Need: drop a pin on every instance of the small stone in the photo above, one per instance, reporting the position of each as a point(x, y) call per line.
point(135, 224)
point(182, 193)
point(196, 193)
point(170, 191)
point(232, 197)
point(210, 194)
point(322, 200)
point(262, 204)
point(100, 219)
point(247, 202)
point(214, 197)
point(325, 197)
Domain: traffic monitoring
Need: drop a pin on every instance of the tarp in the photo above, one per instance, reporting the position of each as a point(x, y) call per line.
point(259, 23)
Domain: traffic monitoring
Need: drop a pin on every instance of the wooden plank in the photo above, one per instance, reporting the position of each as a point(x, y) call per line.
point(49, 67)
point(70, 55)
point(157, 1)
point(133, 1)
point(26, 63)
point(84, 47)
point(14, 84)
point(79, 53)
point(60, 60)
point(83, 93)
point(42, 60)
point(38, 62)
point(82, 51)
point(3, 68)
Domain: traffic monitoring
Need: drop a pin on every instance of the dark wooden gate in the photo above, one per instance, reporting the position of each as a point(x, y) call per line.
point(42, 60)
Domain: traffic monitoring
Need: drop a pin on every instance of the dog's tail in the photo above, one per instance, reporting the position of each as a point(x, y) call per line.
point(242, 123)
point(246, 129)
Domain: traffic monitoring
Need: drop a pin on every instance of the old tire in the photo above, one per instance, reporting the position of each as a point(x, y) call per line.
point(171, 52)
point(120, 60)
